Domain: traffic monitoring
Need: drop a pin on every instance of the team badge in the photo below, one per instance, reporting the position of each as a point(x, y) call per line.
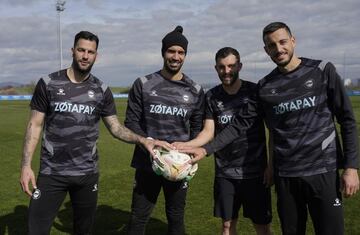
point(91, 94)
point(186, 98)
point(60, 91)
point(36, 194)
point(273, 91)
point(153, 93)
point(309, 83)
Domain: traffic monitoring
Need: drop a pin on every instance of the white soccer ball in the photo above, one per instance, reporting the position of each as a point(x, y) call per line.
point(173, 165)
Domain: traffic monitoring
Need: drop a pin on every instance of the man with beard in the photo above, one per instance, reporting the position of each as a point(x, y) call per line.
point(70, 103)
point(165, 105)
point(240, 178)
point(300, 100)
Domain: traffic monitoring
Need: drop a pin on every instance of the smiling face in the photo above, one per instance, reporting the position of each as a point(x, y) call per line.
point(280, 45)
point(84, 55)
point(228, 69)
point(174, 58)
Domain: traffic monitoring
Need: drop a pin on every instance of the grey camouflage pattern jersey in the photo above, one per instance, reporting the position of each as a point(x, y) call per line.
point(164, 109)
point(245, 157)
point(71, 128)
point(300, 108)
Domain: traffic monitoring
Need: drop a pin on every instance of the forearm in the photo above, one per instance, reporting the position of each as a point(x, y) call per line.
point(120, 132)
point(203, 138)
point(126, 135)
point(350, 148)
point(341, 107)
point(32, 137)
point(135, 128)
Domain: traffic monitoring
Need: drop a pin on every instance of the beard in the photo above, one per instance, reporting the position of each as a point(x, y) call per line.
point(234, 76)
point(285, 62)
point(170, 69)
point(77, 67)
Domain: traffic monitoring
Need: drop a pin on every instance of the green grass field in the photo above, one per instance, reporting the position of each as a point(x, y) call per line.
point(115, 187)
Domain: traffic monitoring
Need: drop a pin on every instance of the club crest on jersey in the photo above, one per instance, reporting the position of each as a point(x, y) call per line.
point(60, 91)
point(36, 194)
point(186, 98)
point(153, 93)
point(273, 91)
point(309, 83)
point(91, 94)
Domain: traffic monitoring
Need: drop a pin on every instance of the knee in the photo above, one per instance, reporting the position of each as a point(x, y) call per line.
point(226, 225)
point(262, 229)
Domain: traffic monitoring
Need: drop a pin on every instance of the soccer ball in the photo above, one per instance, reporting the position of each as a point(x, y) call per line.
point(173, 165)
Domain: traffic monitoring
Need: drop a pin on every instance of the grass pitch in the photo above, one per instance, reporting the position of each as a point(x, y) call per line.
point(115, 186)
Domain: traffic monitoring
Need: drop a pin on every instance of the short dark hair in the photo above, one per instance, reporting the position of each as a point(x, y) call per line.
point(87, 36)
point(272, 27)
point(226, 51)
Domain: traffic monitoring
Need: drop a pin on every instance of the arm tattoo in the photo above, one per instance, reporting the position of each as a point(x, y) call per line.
point(31, 137)
point(26, 160)
point(121, 132)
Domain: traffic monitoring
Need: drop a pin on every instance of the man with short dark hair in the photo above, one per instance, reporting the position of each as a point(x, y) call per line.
point(165, 105)
point(67, 105)
point(240, 177)
point(300, 100)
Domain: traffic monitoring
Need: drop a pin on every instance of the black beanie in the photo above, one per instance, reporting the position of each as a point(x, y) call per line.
point(174, 38)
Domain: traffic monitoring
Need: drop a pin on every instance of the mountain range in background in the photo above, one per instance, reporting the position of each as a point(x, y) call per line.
point(11, 84)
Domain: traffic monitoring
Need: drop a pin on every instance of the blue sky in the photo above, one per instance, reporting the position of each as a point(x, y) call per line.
point(130, 35)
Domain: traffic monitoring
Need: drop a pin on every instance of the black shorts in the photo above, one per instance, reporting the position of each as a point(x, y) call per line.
point(231, 194)
point(51, 192)
point(318, 193)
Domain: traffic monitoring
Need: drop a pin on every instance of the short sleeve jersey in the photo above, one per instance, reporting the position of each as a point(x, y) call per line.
point(71, 127)
point(246, 156)
point(164, 109)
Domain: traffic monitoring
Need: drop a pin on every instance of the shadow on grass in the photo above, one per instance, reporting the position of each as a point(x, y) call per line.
point(14, 223)
point(108, 221)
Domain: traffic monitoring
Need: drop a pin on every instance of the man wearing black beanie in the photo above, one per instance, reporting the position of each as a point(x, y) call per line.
point(165, 105)
point(174, 38)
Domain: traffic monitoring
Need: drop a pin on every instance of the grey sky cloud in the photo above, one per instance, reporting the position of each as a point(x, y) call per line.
point(131, 31)
point(19, 2)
